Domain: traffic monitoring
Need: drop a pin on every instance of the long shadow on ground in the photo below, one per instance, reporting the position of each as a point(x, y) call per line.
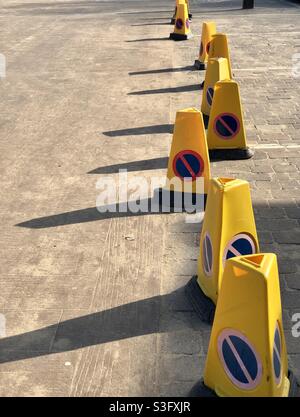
point(122, 322)
point(144, 130)
point(146, 164)
point(180, 89)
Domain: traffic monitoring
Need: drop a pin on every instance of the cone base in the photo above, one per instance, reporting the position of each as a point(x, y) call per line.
point(230, 154)
point(187, 202)
point(205, 118)
point(200, 66)
point(201, 390)
point(294, 390)
point(248, 4)
point(203, 305)
point(180, 37)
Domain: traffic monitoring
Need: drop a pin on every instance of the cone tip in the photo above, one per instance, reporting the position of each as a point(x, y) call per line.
point(258, 260)
point(209, 22)
point(220, 34)
point(226, 81)
point(229, 182)
point(189, 110)
point(223, 181)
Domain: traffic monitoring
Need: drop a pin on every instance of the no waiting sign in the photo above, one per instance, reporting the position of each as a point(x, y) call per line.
point(226, 125)
point(188, 165)
point(240, 359)
point(241, 244)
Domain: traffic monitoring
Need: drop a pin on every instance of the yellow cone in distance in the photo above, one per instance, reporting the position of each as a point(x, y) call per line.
point(188, 9)
point(226, 136)
point(217, 69)
point(182, 29)
point(188, 165)
point(228, 230)
point(219, 48)
point(208, 30)
point(247, 353)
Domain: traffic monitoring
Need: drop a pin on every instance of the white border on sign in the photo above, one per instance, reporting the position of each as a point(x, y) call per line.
point(278, 380)
point(211, 96)
point(205, 255)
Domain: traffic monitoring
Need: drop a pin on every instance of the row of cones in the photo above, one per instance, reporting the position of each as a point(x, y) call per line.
point(221, 114)
point(237, 288)
point(221, 101)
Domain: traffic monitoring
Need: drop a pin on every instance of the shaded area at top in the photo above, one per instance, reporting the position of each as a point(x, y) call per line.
point(154, 7)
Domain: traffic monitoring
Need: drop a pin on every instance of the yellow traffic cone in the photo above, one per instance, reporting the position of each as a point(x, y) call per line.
point(226, 136)
point(208, 30)
point(228, 230)
point(172, 21)
point(247, 353)
point(217, 69)
point(182, 24)
point(219, 49)
point(188, 167)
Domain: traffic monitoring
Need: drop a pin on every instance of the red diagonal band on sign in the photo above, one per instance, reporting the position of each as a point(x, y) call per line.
point(188, 167)
point(226, 125)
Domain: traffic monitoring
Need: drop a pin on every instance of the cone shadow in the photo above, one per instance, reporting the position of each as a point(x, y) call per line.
point(145, 130)
point(131, 208)
point(163, 70)
point(148, 40)
point(148, 12)
point(92, 214)
point(144, 165)
point(181, 89)
point(151, 24)
point(126, 321)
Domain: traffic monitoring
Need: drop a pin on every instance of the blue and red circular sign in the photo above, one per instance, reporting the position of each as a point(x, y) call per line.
point(209, 95)
point(241, 244)
point(188, 165)
point(226, 125)
point(239, 358)
point(277, 355)
point(179, 24)
point(207, 254)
